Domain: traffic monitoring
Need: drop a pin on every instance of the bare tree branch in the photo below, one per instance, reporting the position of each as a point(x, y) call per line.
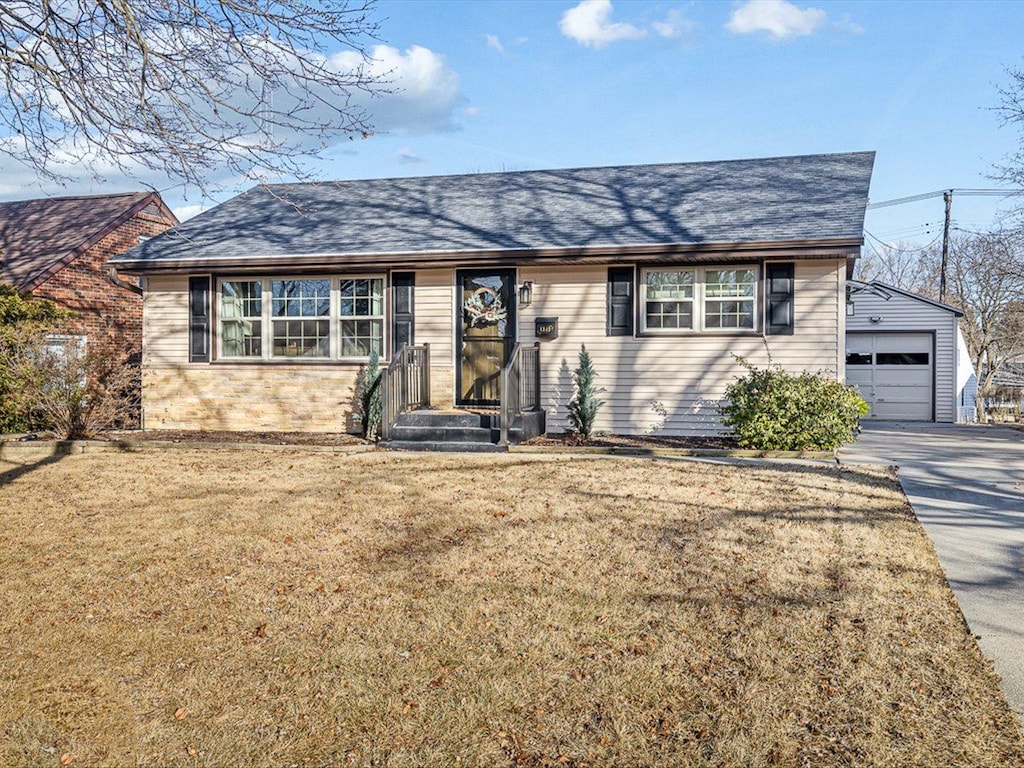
point(1011, 111)
point(182, 87)
point(987, 282)
point(903, 265)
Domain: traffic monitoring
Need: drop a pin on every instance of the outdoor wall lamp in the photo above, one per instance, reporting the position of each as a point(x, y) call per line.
point(526, 292)
point(876, 318)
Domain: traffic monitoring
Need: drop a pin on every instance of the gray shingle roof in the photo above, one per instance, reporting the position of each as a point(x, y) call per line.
point(812, 197)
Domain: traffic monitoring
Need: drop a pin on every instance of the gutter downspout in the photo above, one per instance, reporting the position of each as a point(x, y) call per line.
point(120, 283)
point(116, 280)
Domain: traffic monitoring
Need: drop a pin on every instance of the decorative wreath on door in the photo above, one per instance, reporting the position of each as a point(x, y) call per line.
point(483, 307)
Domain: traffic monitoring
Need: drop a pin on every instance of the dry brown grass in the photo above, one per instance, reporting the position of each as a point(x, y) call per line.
point(215, 608)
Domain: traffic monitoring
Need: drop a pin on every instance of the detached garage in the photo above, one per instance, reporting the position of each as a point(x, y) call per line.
point(902, 353)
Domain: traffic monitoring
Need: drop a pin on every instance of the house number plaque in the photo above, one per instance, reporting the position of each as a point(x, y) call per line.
point(545, 327)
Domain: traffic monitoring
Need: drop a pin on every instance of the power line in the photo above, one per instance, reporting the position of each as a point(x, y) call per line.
point(947, 197)
point(941, 192)
point(891, 247)
point(909, 231)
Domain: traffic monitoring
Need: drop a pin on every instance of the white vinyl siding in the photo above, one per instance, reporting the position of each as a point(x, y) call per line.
point(435, 314)
point(655, 384)
point(670, 384)
point(903, 314)
point(165, 320)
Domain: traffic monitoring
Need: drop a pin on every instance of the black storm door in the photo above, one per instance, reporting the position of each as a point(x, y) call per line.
point(486, 333)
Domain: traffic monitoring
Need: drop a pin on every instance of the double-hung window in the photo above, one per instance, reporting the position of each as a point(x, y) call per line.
point(668, 299)
point(241, 318)
point(729, 299)
point(362, 316)
point(695, 299)
point(300, 319)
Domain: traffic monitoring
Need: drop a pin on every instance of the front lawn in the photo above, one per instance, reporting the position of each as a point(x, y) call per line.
point(246, 608)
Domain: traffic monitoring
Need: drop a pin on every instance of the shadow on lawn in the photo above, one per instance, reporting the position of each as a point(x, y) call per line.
point(867, 487)
point(864, 500)
point(10, 475)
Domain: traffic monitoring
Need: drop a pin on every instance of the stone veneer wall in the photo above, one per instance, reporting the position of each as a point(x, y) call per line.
point(274, 397)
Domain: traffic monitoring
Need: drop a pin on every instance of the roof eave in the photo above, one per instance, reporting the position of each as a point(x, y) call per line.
point(911, 295)
point(799, 249)
point(34, 281)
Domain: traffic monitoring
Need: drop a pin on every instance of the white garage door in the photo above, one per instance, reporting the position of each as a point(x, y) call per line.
point(894, 373)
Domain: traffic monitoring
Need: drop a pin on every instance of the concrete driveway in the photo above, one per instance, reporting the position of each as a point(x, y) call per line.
point(966, 484)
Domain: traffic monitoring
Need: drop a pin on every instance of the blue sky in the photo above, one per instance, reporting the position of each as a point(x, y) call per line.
point(486, 86)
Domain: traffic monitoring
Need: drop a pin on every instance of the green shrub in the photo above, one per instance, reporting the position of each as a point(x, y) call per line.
point(772, 410)
point(368, 396)
point(585, 404)
point(24, 323)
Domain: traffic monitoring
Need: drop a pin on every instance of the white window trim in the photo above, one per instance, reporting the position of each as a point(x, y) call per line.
point(219, 302)
point(699, 299)
point(337, 317)
point(267, 317)
point(65, 342)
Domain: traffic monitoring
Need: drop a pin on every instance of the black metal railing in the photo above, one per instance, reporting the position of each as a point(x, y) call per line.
point(520, 386)
point(405, 385)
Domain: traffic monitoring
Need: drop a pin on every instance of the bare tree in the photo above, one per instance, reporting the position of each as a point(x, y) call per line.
point(181, 87)
point(905, 265)
point(986, 280)
point(1011, 110)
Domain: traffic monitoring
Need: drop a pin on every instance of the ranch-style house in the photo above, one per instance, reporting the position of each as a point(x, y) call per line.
point(479, 290)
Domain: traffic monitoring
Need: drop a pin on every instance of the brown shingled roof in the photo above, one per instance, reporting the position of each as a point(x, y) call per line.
point(39, 237)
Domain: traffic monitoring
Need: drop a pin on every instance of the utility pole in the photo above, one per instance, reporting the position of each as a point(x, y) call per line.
point(947, 196)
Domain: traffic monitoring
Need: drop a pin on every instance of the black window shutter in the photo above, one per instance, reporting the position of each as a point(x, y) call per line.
point(199, 319)
point(779, 299)
point(620, 301)
point(402, 312)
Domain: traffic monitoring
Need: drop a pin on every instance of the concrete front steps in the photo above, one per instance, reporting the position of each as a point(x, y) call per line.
point(466, 431)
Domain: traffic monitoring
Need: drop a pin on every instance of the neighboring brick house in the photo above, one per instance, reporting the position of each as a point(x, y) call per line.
point(57, 248)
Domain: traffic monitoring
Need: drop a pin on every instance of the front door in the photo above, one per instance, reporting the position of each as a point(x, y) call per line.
point(486, 333)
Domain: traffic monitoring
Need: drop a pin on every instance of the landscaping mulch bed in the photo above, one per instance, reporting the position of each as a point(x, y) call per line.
point(341, 438)
point(224, 436)
point(635, 441)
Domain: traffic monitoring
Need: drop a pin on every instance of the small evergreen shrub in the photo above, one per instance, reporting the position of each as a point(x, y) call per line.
point(368, 396)
point(585, 404)
point(772, 410)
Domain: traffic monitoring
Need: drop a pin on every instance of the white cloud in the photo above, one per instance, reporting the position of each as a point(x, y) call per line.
point(407, 157)
point(83, 172)
point(674, 25)
point(778, 18)
point(493, 41)
point(471, 111)
point(186, 212)
point(424, 89)
point(588, 24)
point(425, 98)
